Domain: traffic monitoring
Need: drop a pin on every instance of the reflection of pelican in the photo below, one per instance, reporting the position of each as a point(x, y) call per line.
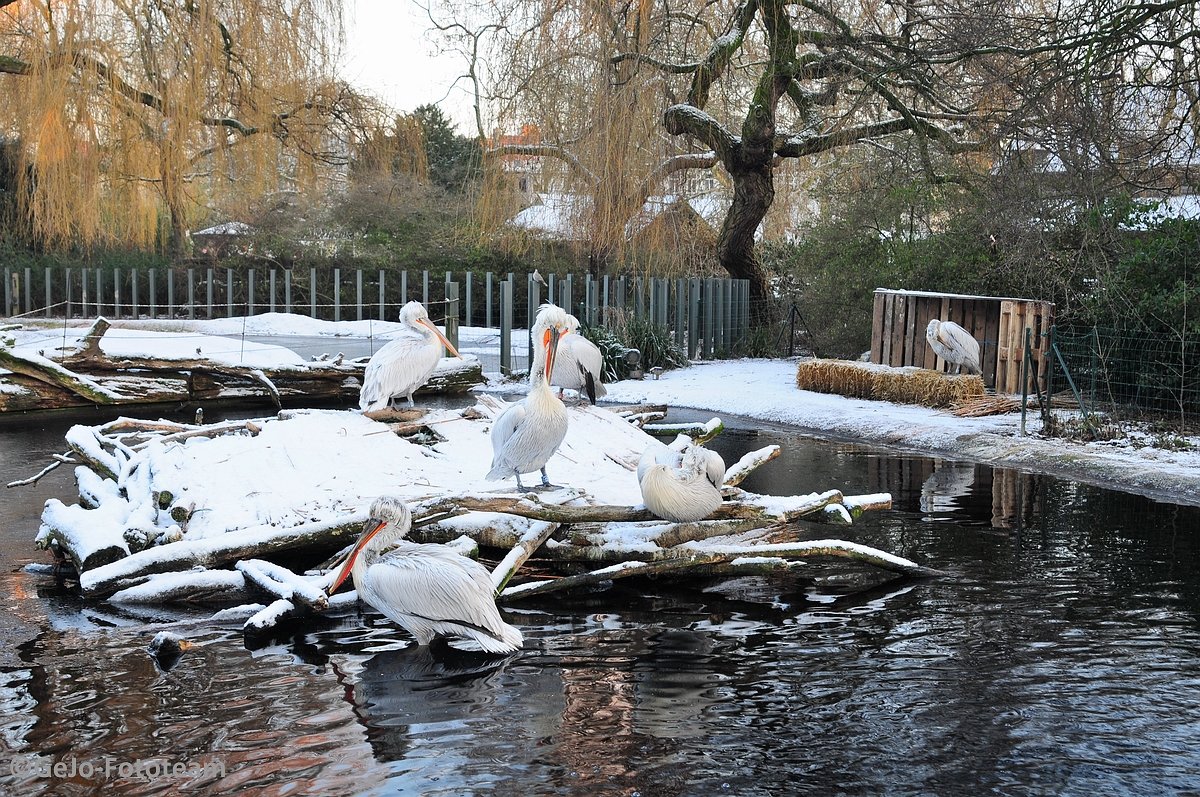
point(578, 364)
point(680, 482)
point(405, 363)
point(428, 590)
point(954, 345)
point(951, 480)
point(527, 433)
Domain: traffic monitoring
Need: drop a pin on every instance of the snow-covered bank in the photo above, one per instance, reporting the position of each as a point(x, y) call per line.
point(762, 389)
point(766, 389)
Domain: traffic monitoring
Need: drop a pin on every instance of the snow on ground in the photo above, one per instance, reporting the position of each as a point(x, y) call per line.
point(761, 389)
point(766, 389)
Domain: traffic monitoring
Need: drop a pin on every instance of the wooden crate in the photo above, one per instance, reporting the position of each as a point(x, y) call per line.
point(1015, 317)
point(900, 318)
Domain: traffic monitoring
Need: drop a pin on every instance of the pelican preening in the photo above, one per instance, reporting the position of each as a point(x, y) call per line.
point(681, 482)
point(954, 345)
point(527, 433)
point(428, 590)
point(405, 363)
point(578, 364)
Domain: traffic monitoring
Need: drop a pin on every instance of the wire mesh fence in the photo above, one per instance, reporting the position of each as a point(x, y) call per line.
point(1133, 374)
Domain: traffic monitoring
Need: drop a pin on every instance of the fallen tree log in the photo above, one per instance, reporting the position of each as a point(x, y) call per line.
point(88, 375)
point(687, 558)
point(171, 497)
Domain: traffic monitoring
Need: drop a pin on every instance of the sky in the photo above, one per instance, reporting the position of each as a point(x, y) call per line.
point(390, 52)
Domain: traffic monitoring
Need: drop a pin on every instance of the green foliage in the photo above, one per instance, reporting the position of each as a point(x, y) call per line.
point(613, 351)
point(454, 161)
point(1154, 284)
point(654, 342)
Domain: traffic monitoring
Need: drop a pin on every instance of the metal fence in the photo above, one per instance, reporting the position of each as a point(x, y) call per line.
point(1132, 374)
point(708, 317)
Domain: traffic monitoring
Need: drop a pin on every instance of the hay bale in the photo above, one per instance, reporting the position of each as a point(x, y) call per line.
point(907, 385)
point(834, 376)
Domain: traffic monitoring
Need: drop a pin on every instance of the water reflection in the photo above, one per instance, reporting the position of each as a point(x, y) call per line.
point(1060, 657)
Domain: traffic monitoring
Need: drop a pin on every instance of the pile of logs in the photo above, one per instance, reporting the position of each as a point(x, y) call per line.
point(574, 539)
point(87, 376)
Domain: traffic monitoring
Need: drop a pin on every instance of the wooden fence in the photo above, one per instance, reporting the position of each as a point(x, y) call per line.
point(900, 318)
point(708, 317)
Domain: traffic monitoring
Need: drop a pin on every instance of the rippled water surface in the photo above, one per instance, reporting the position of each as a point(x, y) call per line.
point(1059, 656)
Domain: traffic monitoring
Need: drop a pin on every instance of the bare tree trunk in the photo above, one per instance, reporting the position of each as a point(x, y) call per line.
point(753, 193)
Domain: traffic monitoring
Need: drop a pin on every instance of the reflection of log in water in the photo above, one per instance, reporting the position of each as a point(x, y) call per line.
point(1014, 498)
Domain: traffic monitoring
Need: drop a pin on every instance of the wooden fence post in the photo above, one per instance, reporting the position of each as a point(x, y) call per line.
point(533, 294)
point(506, 313)
point(488, 301)
point(452, 313)
point(467, 314)
point(382, 296)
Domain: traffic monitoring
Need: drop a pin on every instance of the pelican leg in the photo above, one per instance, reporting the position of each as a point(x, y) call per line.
point(411, 403)
point(545, 478)
point(520, 486)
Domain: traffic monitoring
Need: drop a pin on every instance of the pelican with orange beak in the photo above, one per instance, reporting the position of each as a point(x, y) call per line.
point(405, 363)
point(527, 433)
point(431, 591)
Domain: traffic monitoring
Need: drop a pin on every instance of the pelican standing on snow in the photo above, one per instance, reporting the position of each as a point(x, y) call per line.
point(527, 433)
point(428, 590)
point(405, 363)
point(680, 482)
point(954, 345)
point(578, 365)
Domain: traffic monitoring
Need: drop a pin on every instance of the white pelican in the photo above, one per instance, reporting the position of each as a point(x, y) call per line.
point(428, 590)
point(528, 432)
point(578, 365)
point(405, 363)
point(681, 482)
point(954, 345)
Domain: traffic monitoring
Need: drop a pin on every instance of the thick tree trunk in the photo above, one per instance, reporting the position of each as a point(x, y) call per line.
point(753, 193)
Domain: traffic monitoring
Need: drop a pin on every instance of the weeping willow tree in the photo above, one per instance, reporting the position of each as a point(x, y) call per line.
point(591, 133)
point(134, 117)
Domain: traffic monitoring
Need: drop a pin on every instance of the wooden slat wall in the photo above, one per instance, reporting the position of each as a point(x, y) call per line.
point(899, 319)
point(1015, 317)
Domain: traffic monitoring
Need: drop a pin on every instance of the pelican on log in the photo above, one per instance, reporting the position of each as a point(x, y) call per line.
point(528, 432)
point(681, 482)
point(429, 590)
point(405, 363)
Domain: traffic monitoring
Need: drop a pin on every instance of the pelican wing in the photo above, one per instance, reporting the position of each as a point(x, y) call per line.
point(580, 364)
point(503, 428)
point(954, 344)
point(714, 467)
point(431, 590)
point(398, 369)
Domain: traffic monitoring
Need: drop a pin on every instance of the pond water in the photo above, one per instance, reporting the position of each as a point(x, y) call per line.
point(1060, 656)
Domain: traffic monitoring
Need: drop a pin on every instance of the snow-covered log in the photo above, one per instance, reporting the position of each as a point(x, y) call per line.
point(161, 497)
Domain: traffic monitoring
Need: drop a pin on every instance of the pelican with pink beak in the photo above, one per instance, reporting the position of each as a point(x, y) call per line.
point(431, 591)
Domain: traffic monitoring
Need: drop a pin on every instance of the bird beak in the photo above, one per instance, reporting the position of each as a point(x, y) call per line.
point(550, 341)
point(370, 529)
point(441, 337)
